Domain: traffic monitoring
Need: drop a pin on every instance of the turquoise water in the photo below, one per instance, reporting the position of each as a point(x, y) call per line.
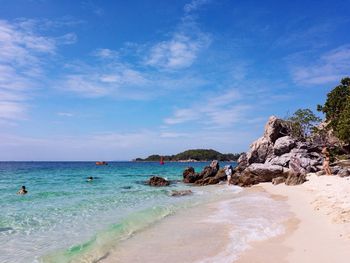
point(64, 218)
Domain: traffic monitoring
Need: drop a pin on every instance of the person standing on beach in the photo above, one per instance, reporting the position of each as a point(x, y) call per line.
point(228, 171)
point(326, 160)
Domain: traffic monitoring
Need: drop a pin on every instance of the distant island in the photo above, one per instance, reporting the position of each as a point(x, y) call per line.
point(192, 155)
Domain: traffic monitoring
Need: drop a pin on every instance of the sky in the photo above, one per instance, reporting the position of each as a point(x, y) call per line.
point(116, 80)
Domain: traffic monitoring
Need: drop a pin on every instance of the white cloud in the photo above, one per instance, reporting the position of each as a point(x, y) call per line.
point(179, 52)
point(106, 53)
point(67, 39)
point(220, 111)
point(90, 5)
point(194, 5)
point(22, 56)
point(65, 114)
point(184, 45)
point(331, 67)
point(11, 110)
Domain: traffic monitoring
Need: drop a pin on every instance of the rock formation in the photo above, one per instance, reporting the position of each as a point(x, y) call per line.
point(211, 174)
point(158, 181)
point(277, 155)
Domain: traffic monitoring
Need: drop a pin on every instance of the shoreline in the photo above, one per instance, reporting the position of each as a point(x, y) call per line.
point(217, 231)
point(316, 233)
point(313, 231)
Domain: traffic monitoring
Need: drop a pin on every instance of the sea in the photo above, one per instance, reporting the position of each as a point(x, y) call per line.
point(66, 218)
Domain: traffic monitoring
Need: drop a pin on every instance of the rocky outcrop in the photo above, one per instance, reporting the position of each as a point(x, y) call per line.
point(276, 128)
point(211, 174)
point(277, 155)
point(283, 145)
point(189, 175)
point(158, 181)
point(219, 176)
point(259, 151)
point(258, 173)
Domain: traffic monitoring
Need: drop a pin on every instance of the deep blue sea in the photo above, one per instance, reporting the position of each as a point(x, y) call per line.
point(64, 217)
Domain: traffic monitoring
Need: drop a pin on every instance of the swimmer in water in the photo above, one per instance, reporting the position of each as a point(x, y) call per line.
point(89, 179)
point(22, 191)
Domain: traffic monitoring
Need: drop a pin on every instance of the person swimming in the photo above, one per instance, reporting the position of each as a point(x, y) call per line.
point(22, 191)
point(89, 179)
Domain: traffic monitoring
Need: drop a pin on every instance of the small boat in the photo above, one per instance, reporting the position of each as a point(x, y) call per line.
point(101, 163)
point(161, 162)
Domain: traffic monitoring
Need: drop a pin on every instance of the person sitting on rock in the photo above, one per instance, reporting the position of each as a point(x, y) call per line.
point(22, 191)
point(326, 161)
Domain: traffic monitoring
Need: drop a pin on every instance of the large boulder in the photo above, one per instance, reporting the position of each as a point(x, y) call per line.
point(209, 175)
point(283, 145)
point(215, 165)
point(276, 128)
point(219, 176)
point(242, 162)
point(158, 181)
point(295, 179)
point(278, 180)
point(189, 175)
point(344, 172)
point(282, 160)
point(259, 151)
point(302, 161)
point(208, 171)
point(258, 173)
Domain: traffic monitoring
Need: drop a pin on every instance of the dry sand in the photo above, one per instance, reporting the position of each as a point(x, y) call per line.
point(321, 228)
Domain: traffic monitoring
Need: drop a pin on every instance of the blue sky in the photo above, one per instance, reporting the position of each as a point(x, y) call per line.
point(115, 80)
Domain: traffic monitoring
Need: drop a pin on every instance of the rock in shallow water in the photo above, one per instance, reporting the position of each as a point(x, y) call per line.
point(158, 181)
point(181, 192)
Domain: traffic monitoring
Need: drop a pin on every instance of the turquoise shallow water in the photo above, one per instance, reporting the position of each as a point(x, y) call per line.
point(64, 218)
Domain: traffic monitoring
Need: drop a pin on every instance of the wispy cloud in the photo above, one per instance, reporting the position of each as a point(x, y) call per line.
point(179, 52)
point(65, 114)
point(123, 81)
point(20, 66)
point(23, 54)
point(330, 67)
point(185, 44)
point(194, 5)
point(92, 6)
point(223, 111)
point(105, 53)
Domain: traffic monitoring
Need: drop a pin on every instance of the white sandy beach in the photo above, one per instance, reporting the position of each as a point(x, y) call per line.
point(320, 231)
point(317, 229)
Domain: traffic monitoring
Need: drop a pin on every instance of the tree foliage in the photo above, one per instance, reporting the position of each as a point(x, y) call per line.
point(337, 110)
point(303, 122)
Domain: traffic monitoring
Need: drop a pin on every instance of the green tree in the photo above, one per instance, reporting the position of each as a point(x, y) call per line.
point(303, 122)
point(337, 110)
point(335, 103)
point(343, 125)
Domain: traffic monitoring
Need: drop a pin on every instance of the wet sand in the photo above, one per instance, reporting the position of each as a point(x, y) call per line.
point(215, 232)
